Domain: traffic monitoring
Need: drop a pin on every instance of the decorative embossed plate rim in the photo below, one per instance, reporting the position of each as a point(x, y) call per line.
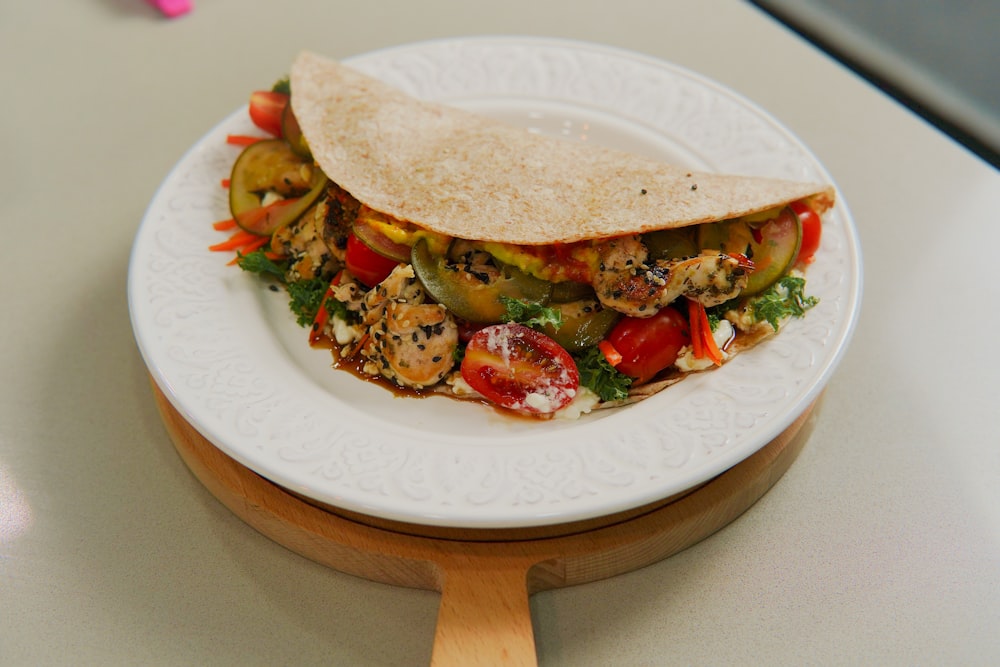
point(229, 357)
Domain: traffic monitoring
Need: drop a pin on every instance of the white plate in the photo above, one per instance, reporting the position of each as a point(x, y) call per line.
point(229, 356)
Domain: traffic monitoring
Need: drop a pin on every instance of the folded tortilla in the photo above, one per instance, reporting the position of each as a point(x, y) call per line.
point(467, 176)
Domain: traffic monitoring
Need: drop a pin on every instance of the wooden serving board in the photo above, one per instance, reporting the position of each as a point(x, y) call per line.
point(485, 577)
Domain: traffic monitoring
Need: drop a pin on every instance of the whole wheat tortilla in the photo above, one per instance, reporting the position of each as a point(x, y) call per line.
point(463, 175)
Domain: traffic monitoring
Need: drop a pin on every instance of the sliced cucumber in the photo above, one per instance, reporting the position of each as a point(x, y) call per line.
point(585, 323)
point(774, 254)
point(465, 295)
point(570, 290)
point(772, 247)
point(671, 243)
point(379, 242)
point(270, 165)
point(730, 236)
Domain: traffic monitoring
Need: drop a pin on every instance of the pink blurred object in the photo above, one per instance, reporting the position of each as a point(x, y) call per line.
point(172, 8)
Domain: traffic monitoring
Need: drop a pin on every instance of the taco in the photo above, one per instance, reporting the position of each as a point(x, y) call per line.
point(460, 255)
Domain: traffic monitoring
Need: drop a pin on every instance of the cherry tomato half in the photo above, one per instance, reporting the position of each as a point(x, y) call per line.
point(519, 368)
point(649, 344)
point(266, 108)
point(812, 229)
point(365, 264)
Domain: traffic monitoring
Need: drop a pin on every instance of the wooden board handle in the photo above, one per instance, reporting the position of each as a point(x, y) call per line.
point(484, 617)
point(484, 577)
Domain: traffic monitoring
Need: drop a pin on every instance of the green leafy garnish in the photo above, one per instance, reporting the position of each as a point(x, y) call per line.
point(305, 298)
point(597, 375)
point(282, 86)
point(336, 308)
point(530, 314)
point(786, 298)
point(258, 262)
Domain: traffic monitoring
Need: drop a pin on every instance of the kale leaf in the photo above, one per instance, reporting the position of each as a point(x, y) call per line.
point(283, 85)
point(530, 314)
point(335, 308)
point(786, 298)
point(601, 377)
point(305, 298)
point(258, 262)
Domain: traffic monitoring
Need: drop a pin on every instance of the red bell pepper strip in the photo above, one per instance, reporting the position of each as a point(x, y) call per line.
point(223, 225)
point(613, 356)
point(242, 139)
point(237, 240)
point(319, 322)
point(702, 342)
point(256, 244)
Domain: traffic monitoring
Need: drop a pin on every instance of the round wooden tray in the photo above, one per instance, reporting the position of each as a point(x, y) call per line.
point(485, 576)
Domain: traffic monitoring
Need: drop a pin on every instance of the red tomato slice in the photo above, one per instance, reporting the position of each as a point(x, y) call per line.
point(521, 369)
point(365, 264)
point(812, 230)
point(647, 345)
point(266, 108)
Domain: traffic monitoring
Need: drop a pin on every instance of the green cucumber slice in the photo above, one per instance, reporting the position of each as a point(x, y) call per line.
point(466, 296)
point(585, 323)
point(271, 165)
point(670, 243)
point(379, 242)
point(772, 247)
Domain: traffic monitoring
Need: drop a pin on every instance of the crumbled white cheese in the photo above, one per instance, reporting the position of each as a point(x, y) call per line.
point(498, 341)
point(582, 403)
point(686, 360)
point(343, 332)
point(722, 335)
point(688, 363)
point(270, 197)
point(538, 401)
point(459, 386)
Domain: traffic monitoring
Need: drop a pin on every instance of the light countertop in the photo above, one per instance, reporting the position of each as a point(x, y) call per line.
point(936, 56)
point(881, 545)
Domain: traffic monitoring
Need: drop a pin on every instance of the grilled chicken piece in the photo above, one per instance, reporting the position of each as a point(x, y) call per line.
point(630, 285)
point(410, 342)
